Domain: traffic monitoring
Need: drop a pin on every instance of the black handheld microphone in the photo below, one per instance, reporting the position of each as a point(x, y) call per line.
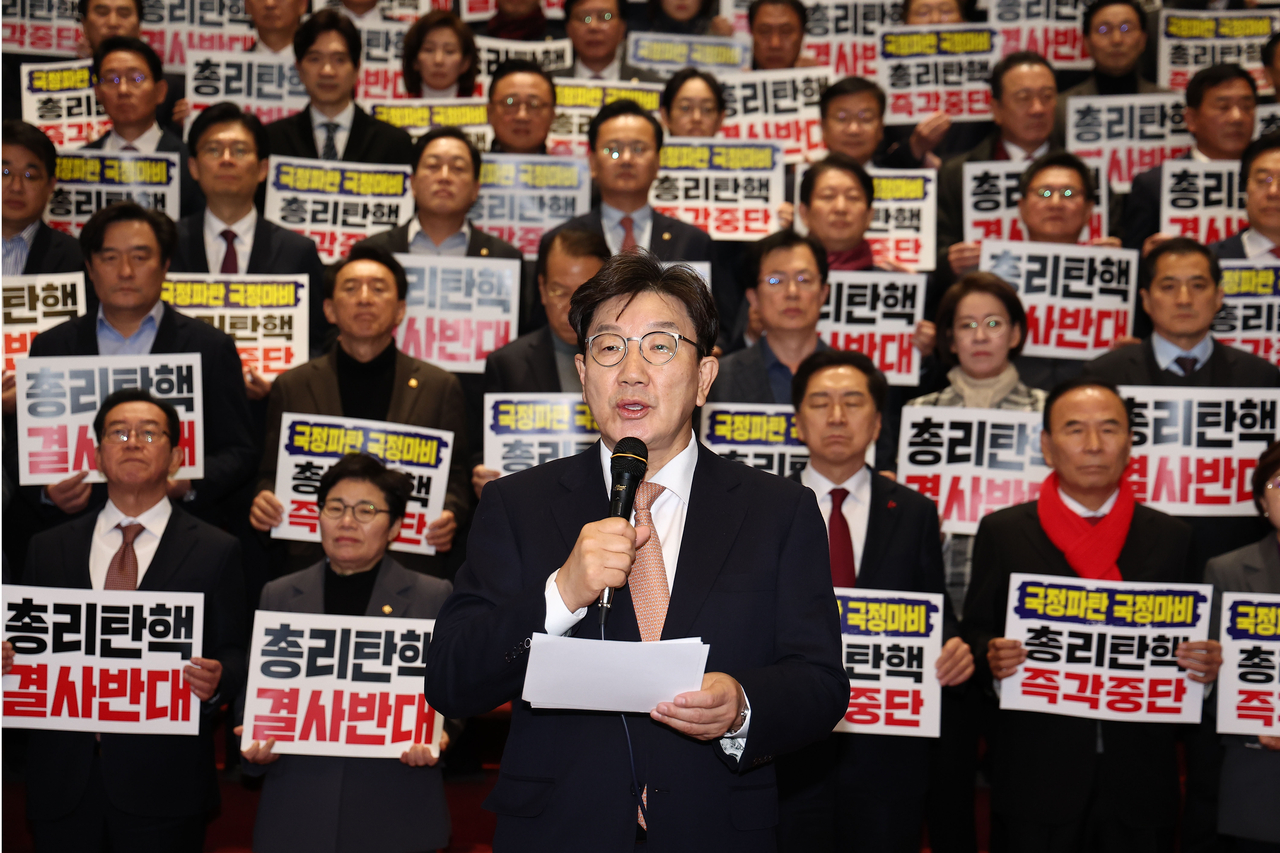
point(627, 465)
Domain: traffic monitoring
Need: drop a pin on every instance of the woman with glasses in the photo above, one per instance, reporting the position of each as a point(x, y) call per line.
point(1249, 785)
point(353, 804)
point(440, 57)
point(692, 104)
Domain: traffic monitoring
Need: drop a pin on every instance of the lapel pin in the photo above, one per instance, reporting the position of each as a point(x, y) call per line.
point(413, 383)
point(386, 608)
point(484, 252)
point(892, 504)
point(666, 235)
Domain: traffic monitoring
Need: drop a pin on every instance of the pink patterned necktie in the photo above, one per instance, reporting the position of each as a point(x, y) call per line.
point(649, 590)
point(123, 571)
point(628, 235)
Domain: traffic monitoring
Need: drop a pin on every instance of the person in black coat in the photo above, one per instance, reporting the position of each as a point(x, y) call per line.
point(229, 455)
point(258, 246)
point(750, 580)
point(1069, 783)
point(332, 127)
point(144, 792)
point(859, 790)
point(1258, 167)
point(28, 153)
point(132, 108)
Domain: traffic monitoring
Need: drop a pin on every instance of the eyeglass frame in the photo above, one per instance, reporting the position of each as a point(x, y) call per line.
point(131, 432)
point(324, 510)
point(511, 105)
point(971, 327)
point(626, 346)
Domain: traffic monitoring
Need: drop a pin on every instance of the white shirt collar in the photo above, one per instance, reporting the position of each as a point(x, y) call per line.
point(858, 486)
point(1198, 155)
point(1083, 511)
point(154, 519)
point(244, 228)
point(415, 228)
point(146, 143)
point(342, 119)
point(373, 16)
point(285, 53)
point(1166, 351)
point(612, 71)
point(1255, 244)
point(676, 476)
point(1019, 154)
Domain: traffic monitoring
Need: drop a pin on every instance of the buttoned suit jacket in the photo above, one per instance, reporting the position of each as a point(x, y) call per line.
point(369, 141)
point(669, 239)
point(752, 581)
point(319, 803)
point(1043, 766)
point(152, 775)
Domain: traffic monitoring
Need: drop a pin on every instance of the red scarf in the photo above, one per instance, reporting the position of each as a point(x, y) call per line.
point(857, 258)
point(1092, 550)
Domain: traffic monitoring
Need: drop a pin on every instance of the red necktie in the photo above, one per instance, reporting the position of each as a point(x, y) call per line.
point(628, 236)
point(1275, 250)
point(230, 263)
point(843, 568)
point(122, 573)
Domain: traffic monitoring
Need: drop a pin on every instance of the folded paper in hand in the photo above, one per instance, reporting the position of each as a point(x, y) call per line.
point(610, 675)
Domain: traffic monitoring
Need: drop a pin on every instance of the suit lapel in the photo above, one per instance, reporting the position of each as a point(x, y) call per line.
point(390, 590)
point(543, 365)
point(322, 381)
point(87, 334)
point(1264, 576)
point(405, 389)
point(263, 247)
point(717, 508)
point(307, 134)
point(178, 540)
point(1219, 369)
point(167, 333)
point(361, 133)
point(194, 239)
point(308, 591)
point(882, 523)
point(39, 249)
point(661, 237)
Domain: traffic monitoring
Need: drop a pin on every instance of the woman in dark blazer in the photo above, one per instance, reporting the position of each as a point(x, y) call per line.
point(1249, 787)
point(353, 805)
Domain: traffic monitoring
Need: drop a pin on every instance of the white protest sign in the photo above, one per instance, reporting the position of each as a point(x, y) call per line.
point(762, 435)
point(523, 196)
point(58, 98)
point(1250, 315)
point(36, 303)
point(667, 53)
point(731, 190)
point(259, 83)
point(1123, 136)
point(525, 429)
point(1203, 201)
point(779, 106)
point(1194, 40)
point(90, 180)
point(875, 313)
point(940, 67)
point(1247, 684)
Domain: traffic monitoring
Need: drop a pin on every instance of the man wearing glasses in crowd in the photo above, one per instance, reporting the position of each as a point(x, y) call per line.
point(522, 100)
point(598, 34)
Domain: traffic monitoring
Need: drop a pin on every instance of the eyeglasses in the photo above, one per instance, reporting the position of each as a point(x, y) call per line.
point(686, 108)
point(511, 106)
point(1262, 182)
point(1065, 193)
point(992, 325)
point(862, 118)
point(1123, 29)
point(31, 176)
point(781, 280)
point(614, 150)
point(593, 17)
point(120, 435)
point(115, 81)
point(658, 348)
point(238, 151)
point(363, 512)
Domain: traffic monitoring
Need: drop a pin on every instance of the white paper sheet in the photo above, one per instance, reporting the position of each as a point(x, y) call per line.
point(610, 675)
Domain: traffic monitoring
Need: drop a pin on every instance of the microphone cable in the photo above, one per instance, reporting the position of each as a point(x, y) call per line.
point(631, 756)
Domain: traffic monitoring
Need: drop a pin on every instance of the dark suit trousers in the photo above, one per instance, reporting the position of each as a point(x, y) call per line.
point(97, 825)
point(863, 793)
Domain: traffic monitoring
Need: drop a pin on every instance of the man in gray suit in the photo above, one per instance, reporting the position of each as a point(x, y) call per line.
point(320, 803)
point(599, 34)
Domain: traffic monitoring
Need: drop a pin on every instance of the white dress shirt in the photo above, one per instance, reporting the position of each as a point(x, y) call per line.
point(668, 511)
point(612, 71)
point(215, 247)
point(856, 508)
point(1256, 246)
point(1018, 154)
point(145, 144)
point(611, 222)
point(371, 18)
point(341, 135)
point(1083, 511)
point(107, 539)
point(284, 54)
point(455, 245)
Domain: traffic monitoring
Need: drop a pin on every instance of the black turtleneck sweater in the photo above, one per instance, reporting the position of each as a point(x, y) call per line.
point(1126, 84)
point(348, 595)
point(365, 388)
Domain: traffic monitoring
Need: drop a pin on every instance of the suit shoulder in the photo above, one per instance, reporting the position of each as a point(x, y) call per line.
point(762, 486)
point(201, 333)
point(1010, 518)
point(518, 349)
point(1221, 569)
point(433, 373)
point(210, 536)
point(498, 248)
point(909, 497)
point(1115, 364)
point(742, 359)
point(67, 531)
point(1250, 369)
point(381, 128)
point(1147, 182)
point(1163, 524)
point(291, 239)
point(60, 340)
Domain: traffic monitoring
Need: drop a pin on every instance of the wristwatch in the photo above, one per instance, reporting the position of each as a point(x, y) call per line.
point(738, 724)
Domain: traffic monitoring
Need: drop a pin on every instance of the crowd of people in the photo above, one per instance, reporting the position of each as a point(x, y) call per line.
point(526, 557)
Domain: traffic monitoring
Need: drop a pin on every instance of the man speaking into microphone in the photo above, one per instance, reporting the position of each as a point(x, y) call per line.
point(718, 550)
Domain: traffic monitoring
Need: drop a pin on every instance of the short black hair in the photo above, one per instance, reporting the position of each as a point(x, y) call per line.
point(1180, 246)
point(226, 113)
point(1004, 66)
point(576, 242)
point(786, 239)
point(363, 251)
point(1068, 385)
point(849, 86)
point(95, 230)
point(831, 162)
point(327, 20)
point(420, 147)
point(631, 273)
point(622, 107)
point(821, 359)
point(1059, 160)
point(32, 138)
point(1216, 75)
point(128, 44)
point(1086, 19)
point(1268, 465)
point(83, 8)
point(976, 282)
point(796, 6)
point(396, 486)
point(1269, 49)
point(137, 395)
point(438, 19)
point(684, 75)
point(519, 65)
point(1256, 148)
